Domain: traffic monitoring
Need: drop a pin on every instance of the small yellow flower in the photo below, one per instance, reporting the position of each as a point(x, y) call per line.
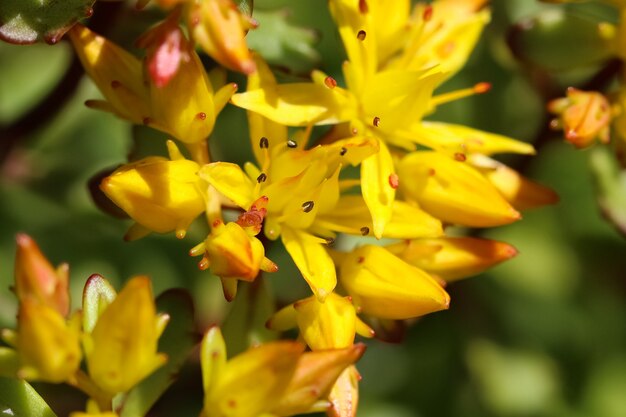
point(161, 195)
point(276, 378)
point(452, 258)
point(48, 347)
point(382, 285)
point(219, 27)
point(233, 252)
point(584, 117)
point(36, 279)
point(122, 348)
point(328, 325)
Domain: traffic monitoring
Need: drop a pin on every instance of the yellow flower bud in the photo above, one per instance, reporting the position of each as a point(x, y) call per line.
point(584, 117)
point(161, 195)
point(220, 29)
point(453, 258)
point(453, 191)
point(385, 286)
point(48, 347)
point(122, 349)
point(36, 279)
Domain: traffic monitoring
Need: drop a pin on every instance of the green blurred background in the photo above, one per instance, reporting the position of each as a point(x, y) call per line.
point(542, 335)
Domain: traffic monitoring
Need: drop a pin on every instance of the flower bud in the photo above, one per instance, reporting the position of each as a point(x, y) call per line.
point(385, 286)
point(36, 279)
point(48, 347)
point(161, 195)
point(122, 349)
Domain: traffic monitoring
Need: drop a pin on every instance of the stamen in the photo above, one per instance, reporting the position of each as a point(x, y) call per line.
point(361, 35)
point(365, 230)
point(264, 143)
point(330, 82)
point(201, 115)
point(261, 178)
point(307, 206)
point(292, 144)
point(376, 121)
point(394, 181)
point(479, 88)
point(363, 8)
point(361, 259)
point(460, 157)
point(330, 241)
point(343, 151)
point(428, 13)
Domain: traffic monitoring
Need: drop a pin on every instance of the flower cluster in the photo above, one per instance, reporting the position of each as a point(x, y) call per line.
point(414, 178)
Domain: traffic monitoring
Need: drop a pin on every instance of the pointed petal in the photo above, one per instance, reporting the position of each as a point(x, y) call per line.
point(212, 358)
point(327, 325)
point(230, 180)
point(310, 256)
point(344, 396)
point(377, 192)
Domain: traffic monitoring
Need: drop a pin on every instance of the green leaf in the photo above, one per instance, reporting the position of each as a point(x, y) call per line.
point(97, 295)
point(19, 399)
point(245, 324)
point(30, 21)
point(548, 39)
point(611, 186)
point(177, 341)
point(283, 44)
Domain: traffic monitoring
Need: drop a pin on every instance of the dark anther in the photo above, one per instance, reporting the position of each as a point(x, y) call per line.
point(261, 178)
point(361, 35)
point(376, 121)
point(343, 151)
point(307, 206)
point(264, 143)
point(292, 144)
point(365, 230)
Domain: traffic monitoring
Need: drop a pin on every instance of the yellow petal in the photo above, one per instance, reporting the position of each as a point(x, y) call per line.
point(118, 74)
point(253, 382)
point(453, 191)
point(344, 396)
point(378, 193)
point(122, 349)
point(48, 347)
point(230, 180)
point(299, 104)
point(453, 258)
point(457, 138)
point(310, 256)
point(212, 358)
point(326, 325)
point(390, 18)
point(385, 286)
point(351, 215)
point(284, 319)
point(314, 377)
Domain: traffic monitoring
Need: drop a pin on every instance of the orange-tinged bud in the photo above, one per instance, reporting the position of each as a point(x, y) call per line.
point(314, 377)
point(518, 190)
point(220, 29)
point(37, 280)
point(327, 325)
point(584, 117)
point(48, 346)
point(344, 397)
point(159, 194)
point(231, 252)
point(453, 258)
point(122, 349)
point(385, 286)
point(453, 191)
point(251, 383)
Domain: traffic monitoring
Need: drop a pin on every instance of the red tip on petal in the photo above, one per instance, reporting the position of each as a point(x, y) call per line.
point(481, 88)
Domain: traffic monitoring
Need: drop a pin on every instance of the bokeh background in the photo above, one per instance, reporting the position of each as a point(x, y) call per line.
point(542, 335)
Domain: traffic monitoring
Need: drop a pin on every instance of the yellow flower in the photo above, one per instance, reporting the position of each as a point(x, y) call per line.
point(328, 325)
point(220, 29)
point(386, 103)
point(36, 279)
point(161, 195)
point(122, 348)
point(452, 258)
point(382, 285)
point(48, 347)
point(233, 252)
point(186, 107)
point(584, 117)
point(274, 379)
